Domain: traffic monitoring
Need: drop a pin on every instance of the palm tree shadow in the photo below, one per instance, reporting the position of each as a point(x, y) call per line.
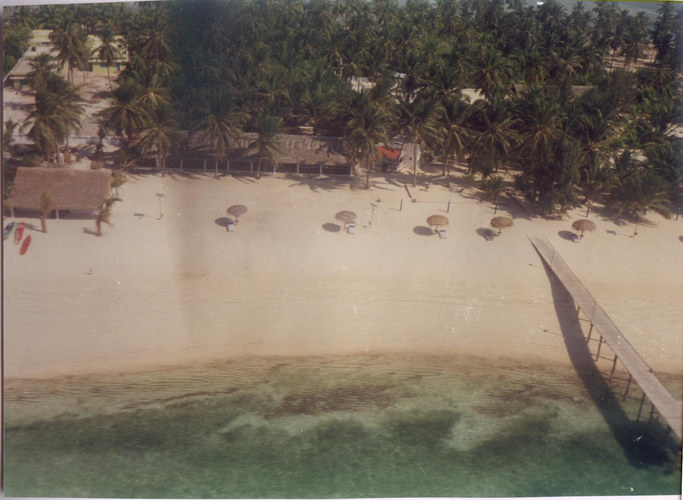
point(642, 443)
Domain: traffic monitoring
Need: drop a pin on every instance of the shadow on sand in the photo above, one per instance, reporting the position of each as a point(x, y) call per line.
point(222, 221)
point(486, 233)
point(332, 228)
point(569, 236)
point(644, 444)
point(423, 231)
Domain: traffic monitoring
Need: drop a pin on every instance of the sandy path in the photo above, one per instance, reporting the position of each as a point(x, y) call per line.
point(155, 291)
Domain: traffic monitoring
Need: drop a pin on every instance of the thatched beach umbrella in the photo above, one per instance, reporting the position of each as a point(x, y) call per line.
point(583, 225)
point(501, 222)
point(236, 211)
point(346, 216)
point(437, 221)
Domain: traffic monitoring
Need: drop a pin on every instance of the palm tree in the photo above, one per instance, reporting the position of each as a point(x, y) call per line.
point(54, 114)
point(220, 127)
point(45, 209)
point(456, 134)
point(639, 191)
point(104, 214)
point(367, 124)
point(543, 119)
point(158, 134)
point(267, 145)
point(419, 123)
point(41, 66)
point(491, 74)
point(493, 136)
point(69, 41)
point(154, 40)
point(150, 87)
point(107, 52)
point(10, 126)
point(126, 115)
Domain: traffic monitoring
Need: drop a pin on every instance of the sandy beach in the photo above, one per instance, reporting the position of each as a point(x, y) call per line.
point(168, 285)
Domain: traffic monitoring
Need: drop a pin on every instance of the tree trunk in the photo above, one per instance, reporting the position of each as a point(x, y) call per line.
point(43, 224)
point(415, 167)
point(215, 175)
point(98, 225)
point(368, 166)
point(109, 79)
point(448, 172)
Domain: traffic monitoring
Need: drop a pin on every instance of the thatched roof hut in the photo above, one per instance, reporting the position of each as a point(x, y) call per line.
point(68, 189)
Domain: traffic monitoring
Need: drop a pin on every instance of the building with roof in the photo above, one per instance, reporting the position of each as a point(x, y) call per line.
point(97, 65)
point(40, 44)
point(72, 190)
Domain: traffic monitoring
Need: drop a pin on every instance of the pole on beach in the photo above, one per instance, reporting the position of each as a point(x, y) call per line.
point(614, 365)
point(448, 208)
point(400, 209)
point(160, 195)
point(628, 385)
point(597, 356)
point(652, 411)
point(642, 401)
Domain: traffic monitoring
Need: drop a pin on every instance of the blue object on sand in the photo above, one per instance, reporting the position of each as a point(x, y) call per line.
point(7, 231)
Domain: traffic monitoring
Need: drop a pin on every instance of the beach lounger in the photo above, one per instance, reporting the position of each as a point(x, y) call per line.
point(443, 234)
point(351, 228)
point(231, 226)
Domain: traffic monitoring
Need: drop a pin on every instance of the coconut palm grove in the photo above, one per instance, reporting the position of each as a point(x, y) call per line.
point(576, 104)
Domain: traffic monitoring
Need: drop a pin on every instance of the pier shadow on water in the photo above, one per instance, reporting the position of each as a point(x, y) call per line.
point(644, 444)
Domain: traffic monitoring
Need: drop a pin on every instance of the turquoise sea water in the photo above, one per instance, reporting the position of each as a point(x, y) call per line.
point(354, 426)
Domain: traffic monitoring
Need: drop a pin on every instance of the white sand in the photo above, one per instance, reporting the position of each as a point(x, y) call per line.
point(154, 291)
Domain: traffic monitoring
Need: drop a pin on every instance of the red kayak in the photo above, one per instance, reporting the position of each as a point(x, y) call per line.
point(25, 244)
point(19, 232)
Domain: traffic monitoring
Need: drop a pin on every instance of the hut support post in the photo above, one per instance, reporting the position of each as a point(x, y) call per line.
point(251, 167)
point(578, 312)
point(227, 167)
point(652, 412)
point(597, 356)
point(640, 408)
point(614, 365)
point(320, 172)
point(297, 168)
point(628, 385)
point(204, 168)
point(590, 331)
point(181, 164)
point(57, 214)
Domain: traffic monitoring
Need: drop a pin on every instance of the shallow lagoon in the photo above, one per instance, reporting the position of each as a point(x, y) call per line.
point(354, 426)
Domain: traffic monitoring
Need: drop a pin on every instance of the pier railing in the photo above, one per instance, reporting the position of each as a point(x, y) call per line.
point(662, 400)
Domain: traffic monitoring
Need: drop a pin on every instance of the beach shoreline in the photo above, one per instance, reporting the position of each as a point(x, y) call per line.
point(168, 285)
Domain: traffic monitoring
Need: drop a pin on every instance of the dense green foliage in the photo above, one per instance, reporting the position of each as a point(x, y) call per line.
point(574, 104)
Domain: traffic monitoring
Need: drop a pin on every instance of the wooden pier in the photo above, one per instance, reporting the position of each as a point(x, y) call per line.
point(662, 400)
